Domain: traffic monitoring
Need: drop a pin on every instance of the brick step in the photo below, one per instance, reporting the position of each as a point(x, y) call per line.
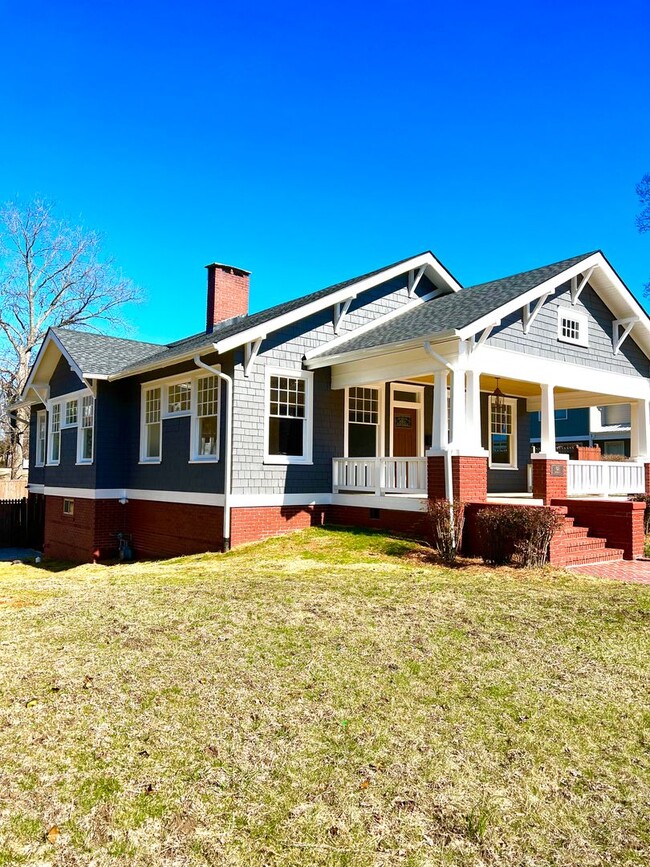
point(575, 532)
point(600, 556)
point(583, 543)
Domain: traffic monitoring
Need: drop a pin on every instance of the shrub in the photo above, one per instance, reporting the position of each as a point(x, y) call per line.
point(524, 532)
point(447, 521)
point(643, 498)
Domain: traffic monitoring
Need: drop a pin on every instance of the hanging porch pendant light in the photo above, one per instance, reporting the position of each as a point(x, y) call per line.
point(497, 396)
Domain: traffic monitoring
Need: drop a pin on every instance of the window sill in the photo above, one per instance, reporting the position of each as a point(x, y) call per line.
point(84, 464)
point(150, 462)
point(53, 463)
point(502, 467)
point(280, 461)
point(203, 460)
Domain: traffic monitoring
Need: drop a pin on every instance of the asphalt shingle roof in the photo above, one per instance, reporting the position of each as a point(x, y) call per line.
point(102, 355)
point(452, 312)
point(107, 356)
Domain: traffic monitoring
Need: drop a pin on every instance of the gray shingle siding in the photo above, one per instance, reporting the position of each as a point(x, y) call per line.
point(542, 338)
point(285, 349)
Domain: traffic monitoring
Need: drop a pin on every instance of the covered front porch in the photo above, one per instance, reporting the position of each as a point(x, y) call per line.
point(394, 428)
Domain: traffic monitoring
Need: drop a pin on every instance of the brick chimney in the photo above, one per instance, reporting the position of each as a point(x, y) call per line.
point(227, 293)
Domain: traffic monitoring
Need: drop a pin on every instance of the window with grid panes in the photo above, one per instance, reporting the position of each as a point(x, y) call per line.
point(207, 418)
point(502, 433)
point(55, 434)
point(87, 429)
point(179, 398)
point(363, 422)
point(152, 425)
point(41, 437)
point(70, 413)
point(287, 415)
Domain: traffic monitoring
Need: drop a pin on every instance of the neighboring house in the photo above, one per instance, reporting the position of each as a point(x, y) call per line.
point(351, 405)
point(607, 427)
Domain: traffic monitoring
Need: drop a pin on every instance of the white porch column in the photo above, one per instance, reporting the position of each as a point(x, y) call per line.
point(458, 407)
point(547, 444)
point(473, 411)
point(639, 432)
point(440, 423)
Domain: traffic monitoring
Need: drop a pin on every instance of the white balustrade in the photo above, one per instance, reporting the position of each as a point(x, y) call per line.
point(380, 476)
point(605, 478)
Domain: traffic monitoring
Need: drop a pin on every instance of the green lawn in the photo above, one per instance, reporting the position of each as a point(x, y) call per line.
point(327, 698)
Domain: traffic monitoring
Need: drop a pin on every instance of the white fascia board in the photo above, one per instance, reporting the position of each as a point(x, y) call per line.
point(427, 259)
point(547, 287)
point(533, 368)
point(363, 329)
point(380, 351)
point(168, 362)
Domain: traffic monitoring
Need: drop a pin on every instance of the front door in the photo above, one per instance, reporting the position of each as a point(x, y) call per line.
point(405, 432)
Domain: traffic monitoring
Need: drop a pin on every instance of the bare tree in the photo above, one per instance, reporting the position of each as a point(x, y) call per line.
point(51, 274)
point(643, 192)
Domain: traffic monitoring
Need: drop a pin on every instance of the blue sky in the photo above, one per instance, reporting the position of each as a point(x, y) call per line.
point(312, 143)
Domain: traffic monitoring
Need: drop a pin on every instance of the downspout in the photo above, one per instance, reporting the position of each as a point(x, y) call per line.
point(227, 464)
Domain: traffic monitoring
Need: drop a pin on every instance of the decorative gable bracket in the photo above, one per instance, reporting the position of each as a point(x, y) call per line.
point(475, 344)
point(576, 288)
point(340, 311)
point(250, 354)
point(619, 336)
point(530, 316)
point(414, 280)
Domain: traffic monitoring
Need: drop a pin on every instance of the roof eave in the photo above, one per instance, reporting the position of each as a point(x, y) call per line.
point(383, 349)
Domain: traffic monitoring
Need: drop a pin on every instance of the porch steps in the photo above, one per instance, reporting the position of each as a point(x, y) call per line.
point(573, 546)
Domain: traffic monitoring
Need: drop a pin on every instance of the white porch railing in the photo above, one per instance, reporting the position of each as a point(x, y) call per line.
point(605, 478)
point(380, 476)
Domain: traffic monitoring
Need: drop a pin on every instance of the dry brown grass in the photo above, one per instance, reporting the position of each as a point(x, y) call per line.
point(328, 698)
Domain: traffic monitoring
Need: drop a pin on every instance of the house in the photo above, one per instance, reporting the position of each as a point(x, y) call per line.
point(351, 405)
point(604, 427)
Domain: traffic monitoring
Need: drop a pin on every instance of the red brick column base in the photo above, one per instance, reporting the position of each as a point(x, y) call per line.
point(436, 489)
point(470, 478)
point(549, 479)
point(647, 478)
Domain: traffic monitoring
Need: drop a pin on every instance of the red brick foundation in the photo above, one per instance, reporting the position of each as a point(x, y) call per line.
point(619, 522)
point(157, 529)
point(171, 529)
point(436, 478)
point(251, 524)
point(89, 534)
point(404, 523)
point(647, 478)
point(549, 479)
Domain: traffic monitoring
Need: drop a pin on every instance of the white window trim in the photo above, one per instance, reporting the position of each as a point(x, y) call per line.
point(145, 387)
point(308, 427)
point(81, 461)
point(513, 465)
point(404, 404)
point(41, 417)
point(50, 436)
point(195, 457)
point(64, 413)
point(583, 325)
point(381, 435)
point(193, 377)
point(165, 412)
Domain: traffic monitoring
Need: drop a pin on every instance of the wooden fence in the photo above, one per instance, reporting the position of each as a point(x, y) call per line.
point(22, 522)
point(13, 489)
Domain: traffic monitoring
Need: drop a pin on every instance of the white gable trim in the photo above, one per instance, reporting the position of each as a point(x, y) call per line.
point(428, 260)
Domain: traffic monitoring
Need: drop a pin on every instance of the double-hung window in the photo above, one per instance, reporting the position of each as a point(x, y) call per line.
point(41, 437)
point(70, 413)
point(55, 434)
point(205, 420)
point(86, 432)
point(363, 422)
point(179, 398)
point(288, 417)
point(151, 439)
point(503, 433)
